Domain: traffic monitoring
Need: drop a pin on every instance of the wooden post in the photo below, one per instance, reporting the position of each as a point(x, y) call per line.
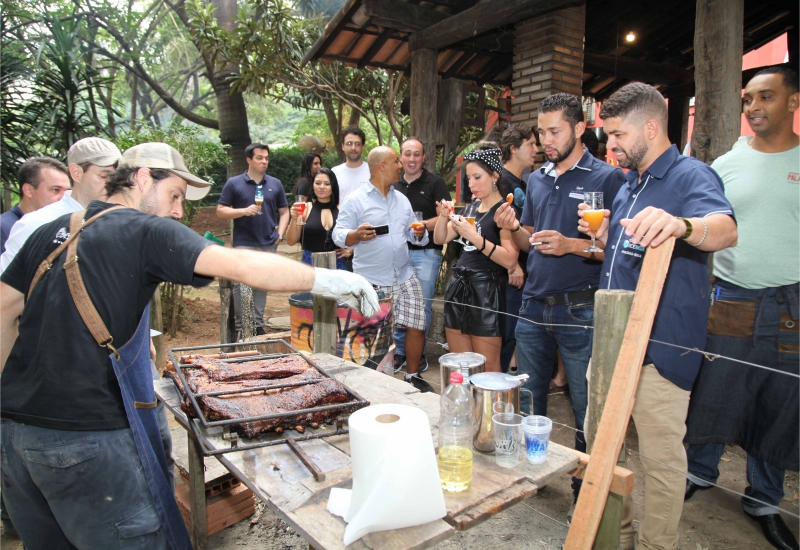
point(611, 311)
point(325, 329)
point(227, 322)
point(718, 45)
point(678, 121)
point(424, 96)
point(197, 493)
point(157, 323)
point(619, 403)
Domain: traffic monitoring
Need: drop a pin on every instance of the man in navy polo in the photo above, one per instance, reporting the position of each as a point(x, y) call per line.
point(562, 278)
point(254, 227)
point(665, 194)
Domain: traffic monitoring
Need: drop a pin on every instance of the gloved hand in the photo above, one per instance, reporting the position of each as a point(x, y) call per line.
point(352, 289)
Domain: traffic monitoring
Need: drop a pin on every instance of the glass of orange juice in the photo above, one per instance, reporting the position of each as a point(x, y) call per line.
point(594, 216)
point(418, 223)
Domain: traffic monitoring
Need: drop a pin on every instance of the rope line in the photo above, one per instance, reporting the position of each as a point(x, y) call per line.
point(545, 515)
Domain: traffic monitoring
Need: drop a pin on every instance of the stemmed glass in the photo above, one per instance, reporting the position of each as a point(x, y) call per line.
point(300, 201)
point(418, 223)
point(594, 216)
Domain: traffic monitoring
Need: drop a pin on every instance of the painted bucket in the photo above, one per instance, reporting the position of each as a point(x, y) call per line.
point(362, 341)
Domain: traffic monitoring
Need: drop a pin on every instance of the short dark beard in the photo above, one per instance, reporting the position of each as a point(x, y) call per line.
point(634, 158)
point(566, 152)
point(149, 203)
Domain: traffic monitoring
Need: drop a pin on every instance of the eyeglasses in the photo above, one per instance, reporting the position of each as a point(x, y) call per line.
point(353, 144)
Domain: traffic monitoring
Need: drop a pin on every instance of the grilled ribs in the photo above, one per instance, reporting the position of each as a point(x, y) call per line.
point(211, 375)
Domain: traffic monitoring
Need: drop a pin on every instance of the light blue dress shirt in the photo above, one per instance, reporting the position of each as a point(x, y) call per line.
point(383, 260)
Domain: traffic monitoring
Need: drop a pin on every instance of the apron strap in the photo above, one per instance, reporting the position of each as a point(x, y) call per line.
point(76, 286)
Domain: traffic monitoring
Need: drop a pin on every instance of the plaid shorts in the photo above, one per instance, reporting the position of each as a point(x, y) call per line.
point(408, 304)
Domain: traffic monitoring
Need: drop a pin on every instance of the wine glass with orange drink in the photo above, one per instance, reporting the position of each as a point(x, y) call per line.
point(300, 206)
point(594, 216)
point(418, 223)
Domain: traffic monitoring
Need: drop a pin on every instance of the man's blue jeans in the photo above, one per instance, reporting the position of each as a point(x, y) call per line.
point(766, 481)
point(537, 345)
point(67, 489)
point(513, 303)
point(426, 264)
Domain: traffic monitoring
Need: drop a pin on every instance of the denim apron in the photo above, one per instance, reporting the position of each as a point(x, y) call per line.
point(135, 380)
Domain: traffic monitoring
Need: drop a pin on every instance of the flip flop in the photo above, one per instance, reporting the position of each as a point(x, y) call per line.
point(555, 388)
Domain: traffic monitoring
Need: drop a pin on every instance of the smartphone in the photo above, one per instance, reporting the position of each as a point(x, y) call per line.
point(381, 229)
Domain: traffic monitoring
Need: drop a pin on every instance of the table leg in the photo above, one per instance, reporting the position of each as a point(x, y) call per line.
point(197, 494)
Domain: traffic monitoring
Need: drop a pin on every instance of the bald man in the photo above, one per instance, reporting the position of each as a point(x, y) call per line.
point(375, 221)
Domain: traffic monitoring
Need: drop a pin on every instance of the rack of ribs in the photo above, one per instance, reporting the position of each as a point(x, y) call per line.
point(245, 390)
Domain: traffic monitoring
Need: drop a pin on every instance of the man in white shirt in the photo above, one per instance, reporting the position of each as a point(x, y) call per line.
point(354, 172)
point(91, 161)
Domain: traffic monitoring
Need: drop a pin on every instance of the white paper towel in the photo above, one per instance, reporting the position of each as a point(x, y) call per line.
point(395, 475)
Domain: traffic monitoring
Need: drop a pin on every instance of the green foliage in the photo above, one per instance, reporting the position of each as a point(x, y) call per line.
point(285, 164)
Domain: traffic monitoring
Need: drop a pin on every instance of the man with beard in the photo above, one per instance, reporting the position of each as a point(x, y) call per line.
point(754, 316)
point(353, 172)
point(665, 194)
point(82, 461)
point(562, 277)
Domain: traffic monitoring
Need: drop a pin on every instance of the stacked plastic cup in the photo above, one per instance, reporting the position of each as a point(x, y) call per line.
point(537, 435)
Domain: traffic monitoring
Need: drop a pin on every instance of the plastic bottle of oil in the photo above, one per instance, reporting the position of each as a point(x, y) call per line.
point(455, 435)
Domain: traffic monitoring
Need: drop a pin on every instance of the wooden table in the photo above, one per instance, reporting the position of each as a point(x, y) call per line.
point(277, 476)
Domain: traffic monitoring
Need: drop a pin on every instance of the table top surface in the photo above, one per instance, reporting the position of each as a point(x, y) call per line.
point(277, 475)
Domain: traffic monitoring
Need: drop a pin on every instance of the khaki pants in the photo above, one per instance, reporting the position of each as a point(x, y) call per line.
point(660, 417)
point(659, 413)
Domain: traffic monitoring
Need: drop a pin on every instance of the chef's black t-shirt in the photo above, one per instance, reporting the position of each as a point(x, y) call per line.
point(57, 376)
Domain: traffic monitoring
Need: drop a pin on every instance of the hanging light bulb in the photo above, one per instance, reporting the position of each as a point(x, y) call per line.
point(630, 37)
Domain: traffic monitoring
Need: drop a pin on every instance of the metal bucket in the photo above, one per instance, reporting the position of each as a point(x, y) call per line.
point(494, 392)
point(466, 363)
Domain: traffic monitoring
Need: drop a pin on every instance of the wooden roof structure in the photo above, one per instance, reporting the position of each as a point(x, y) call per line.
point(475, 40)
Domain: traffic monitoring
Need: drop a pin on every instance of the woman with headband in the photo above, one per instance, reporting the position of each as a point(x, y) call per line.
point(480, 274)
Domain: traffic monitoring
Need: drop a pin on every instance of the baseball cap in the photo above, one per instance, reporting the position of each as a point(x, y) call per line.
point(165, 157)
point(95, 150)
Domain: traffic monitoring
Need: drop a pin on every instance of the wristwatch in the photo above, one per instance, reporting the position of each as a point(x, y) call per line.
point(519, 226)
point(689, 228)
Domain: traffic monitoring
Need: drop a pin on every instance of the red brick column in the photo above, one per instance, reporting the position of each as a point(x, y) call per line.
point(548, 58)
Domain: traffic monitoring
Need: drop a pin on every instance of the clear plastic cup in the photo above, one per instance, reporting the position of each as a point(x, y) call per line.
point(537, 435)
point(508, 439)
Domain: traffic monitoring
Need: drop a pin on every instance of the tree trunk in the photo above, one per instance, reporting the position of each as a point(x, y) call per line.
point(333, 126)
point(424, 91)
point(718, 45)
point(231, 110)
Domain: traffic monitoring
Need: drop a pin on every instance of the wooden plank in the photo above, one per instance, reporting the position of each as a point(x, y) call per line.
point(614, 422)
point(325, 322)
point(402, 16)
point(483, 17)
point(560, 461)
point(198, 495)
point(493, 505)
point(621, 483)
point(424, 91)
point(718, 43)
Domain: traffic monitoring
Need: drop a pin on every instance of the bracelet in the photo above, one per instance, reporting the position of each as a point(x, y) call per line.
point(688, 232)
point(519, 226)
point(484, 245)
point(705, 233)
point(492, 252)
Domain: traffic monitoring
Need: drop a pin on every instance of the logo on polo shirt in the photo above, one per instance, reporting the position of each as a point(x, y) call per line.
point(628, 244)
point(61, 236)
point(793, 177)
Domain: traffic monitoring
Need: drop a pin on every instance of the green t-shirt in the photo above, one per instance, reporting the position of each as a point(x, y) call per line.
point(764, 190)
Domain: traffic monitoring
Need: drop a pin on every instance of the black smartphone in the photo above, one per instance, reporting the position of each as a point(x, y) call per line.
point(381, 229)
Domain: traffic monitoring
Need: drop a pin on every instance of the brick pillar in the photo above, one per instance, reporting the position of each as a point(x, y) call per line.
point(548, 58)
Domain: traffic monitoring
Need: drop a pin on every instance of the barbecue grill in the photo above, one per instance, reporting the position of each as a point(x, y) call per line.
point(218, 432)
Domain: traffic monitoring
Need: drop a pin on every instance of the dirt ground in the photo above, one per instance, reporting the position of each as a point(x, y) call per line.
point(711, 520)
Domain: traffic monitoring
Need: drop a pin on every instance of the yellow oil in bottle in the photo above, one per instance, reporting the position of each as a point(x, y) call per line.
point(455, 468)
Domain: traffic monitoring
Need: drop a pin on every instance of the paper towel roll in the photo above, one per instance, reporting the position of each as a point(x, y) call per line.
point(395, 476)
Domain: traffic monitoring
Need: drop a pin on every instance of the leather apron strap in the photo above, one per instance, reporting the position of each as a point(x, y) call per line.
point(75, 281)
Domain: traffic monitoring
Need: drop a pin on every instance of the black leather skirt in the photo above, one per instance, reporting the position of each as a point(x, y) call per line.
point(486, 290)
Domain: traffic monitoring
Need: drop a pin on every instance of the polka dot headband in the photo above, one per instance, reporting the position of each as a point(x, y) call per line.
point(490, 157)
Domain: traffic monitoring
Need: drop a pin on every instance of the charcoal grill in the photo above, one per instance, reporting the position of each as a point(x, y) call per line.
point(271, 438)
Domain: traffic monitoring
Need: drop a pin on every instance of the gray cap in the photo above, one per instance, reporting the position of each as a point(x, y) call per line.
point(165, 157)
point(95, 150)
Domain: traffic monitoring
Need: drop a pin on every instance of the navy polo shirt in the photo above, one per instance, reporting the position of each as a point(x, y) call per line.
point(240, 192)
point(7, 221)
point(551, 203)
point(684, 187)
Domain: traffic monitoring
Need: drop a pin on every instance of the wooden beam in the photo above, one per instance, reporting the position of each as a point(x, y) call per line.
point(634, 69)
point(376, 46)
point(678, 121)
point(621, 482)
point(485, 16)
point(325, 323)
point(402, 16)
point(718, 45)
point(342, 17)
point(424, 102)
point(619, 403)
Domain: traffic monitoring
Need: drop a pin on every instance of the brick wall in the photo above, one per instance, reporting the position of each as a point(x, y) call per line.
point(548, 58)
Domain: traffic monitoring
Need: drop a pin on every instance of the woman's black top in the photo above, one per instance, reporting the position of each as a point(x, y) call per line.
point(314, 237)
point(471, 257)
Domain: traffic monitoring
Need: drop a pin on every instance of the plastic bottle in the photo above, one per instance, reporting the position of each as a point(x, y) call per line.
point(455, 435)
